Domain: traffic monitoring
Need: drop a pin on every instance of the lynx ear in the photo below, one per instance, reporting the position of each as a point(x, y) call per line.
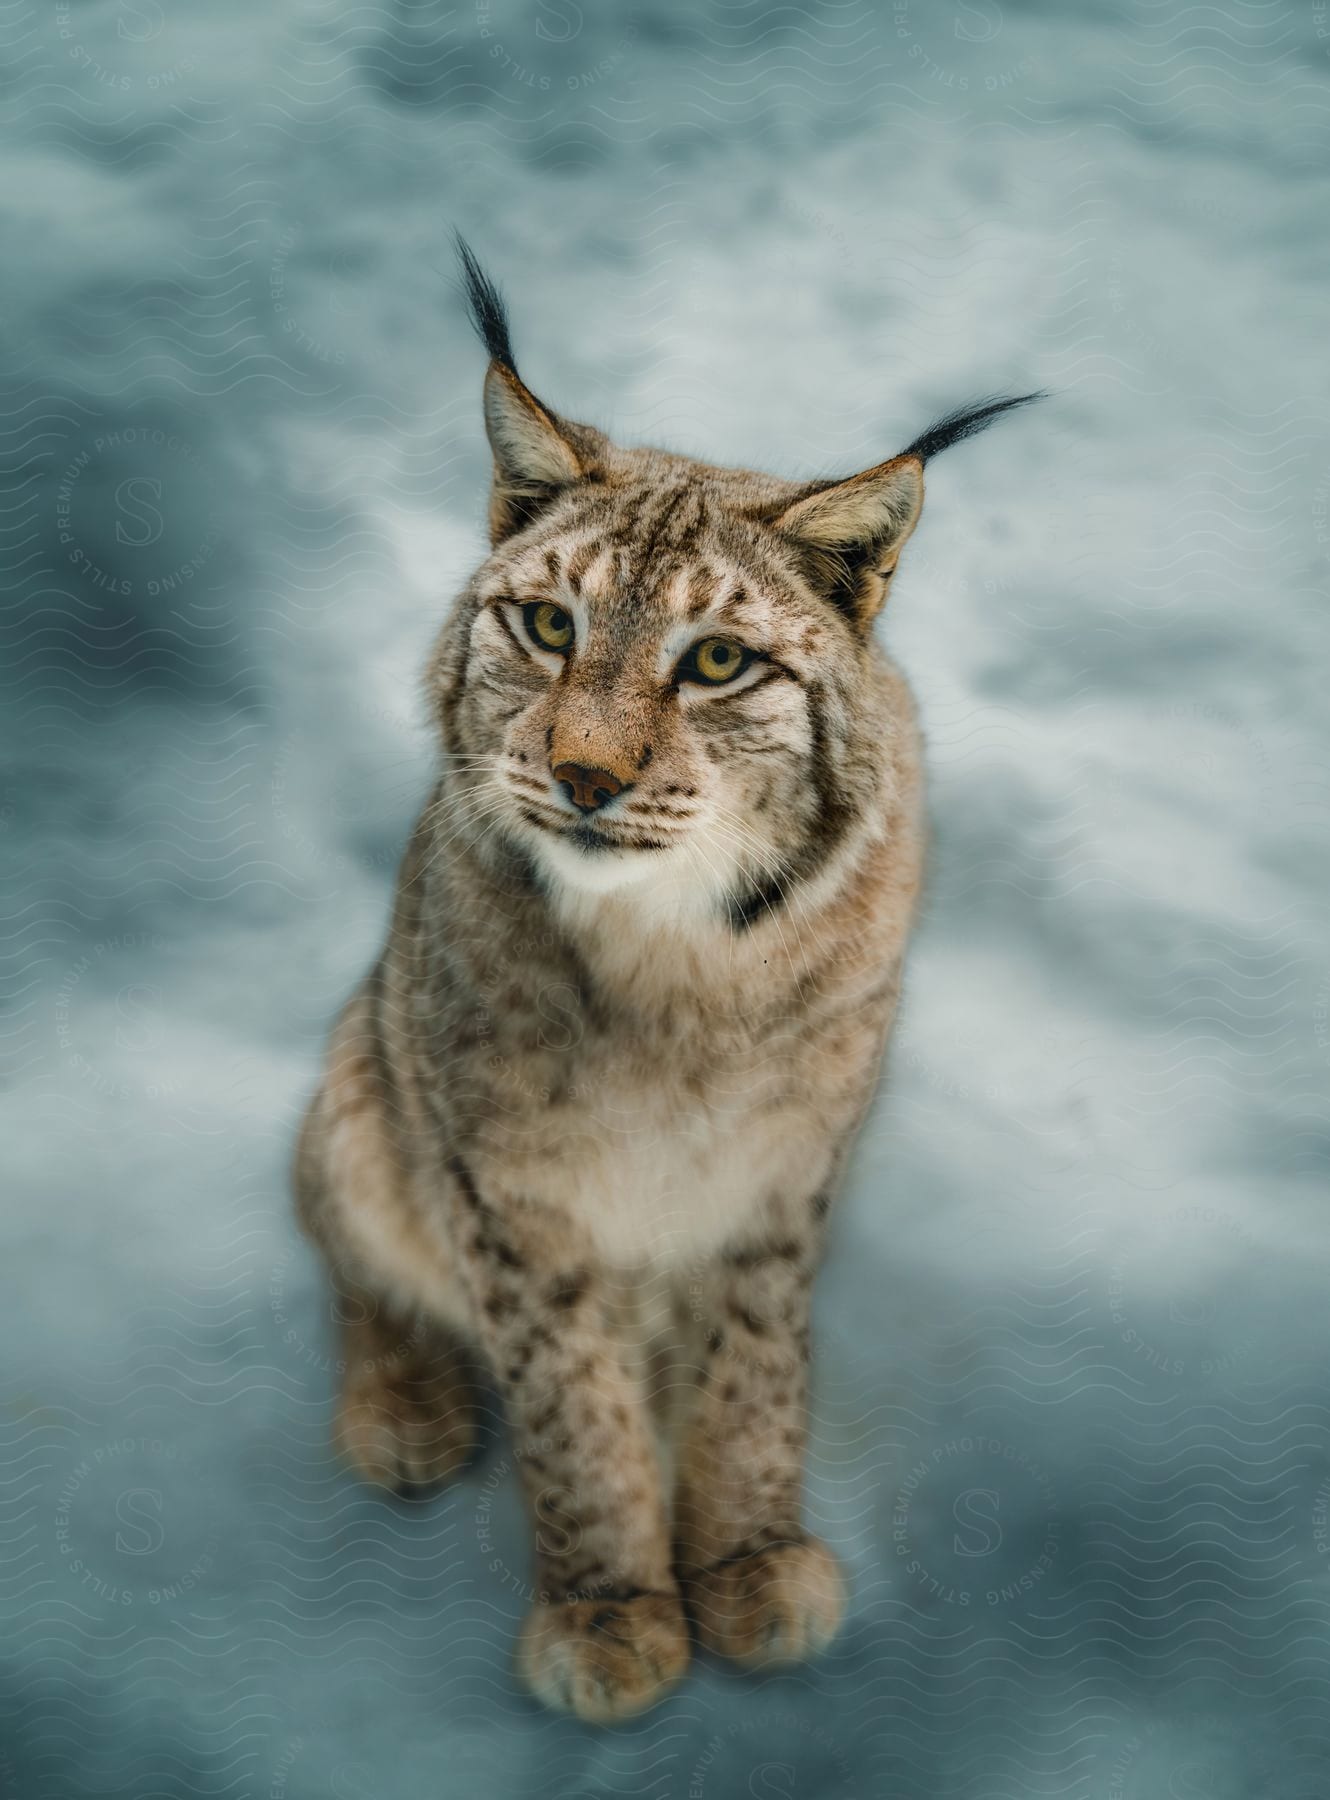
point(533, 459)
point(536, 453)
point(848, 534)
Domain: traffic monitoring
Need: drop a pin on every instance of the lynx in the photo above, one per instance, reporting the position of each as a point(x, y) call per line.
point(581, 1126)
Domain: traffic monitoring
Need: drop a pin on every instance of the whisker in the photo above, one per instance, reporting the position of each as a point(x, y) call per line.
point(695, 852)
point(472, 808)
point(777, 878)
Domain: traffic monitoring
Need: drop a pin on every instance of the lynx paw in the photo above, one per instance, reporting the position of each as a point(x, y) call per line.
point(409, 1428)
point(604, 1659)
point(770, 1607)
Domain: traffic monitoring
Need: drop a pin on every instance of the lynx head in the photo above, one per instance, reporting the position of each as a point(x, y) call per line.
point(664, 674)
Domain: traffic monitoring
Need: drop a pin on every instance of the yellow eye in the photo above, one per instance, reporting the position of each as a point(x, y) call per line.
point(718, 659)
point(550, 626)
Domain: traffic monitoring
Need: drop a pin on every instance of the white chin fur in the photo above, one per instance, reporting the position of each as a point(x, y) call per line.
point(686, 882)
point(663, 882)
point(599, 871)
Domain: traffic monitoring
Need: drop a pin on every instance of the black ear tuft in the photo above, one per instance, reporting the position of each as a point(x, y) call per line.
point(964, 422)
point(485, 304)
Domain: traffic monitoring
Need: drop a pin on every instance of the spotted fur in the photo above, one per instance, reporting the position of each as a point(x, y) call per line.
point(586, 1115)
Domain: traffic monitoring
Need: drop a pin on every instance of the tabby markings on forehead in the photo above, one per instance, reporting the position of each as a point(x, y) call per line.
point(678, 517)
point(578, 559)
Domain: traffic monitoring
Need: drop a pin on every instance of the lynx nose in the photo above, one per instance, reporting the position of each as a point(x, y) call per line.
point(586, 788)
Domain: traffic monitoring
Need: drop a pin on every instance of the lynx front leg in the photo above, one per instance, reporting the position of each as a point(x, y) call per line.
point(607, 1635)
point(760, 1588)
point(406, 1417)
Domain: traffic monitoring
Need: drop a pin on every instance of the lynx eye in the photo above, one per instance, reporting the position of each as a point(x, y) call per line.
point(715, 660)
point(548, 625)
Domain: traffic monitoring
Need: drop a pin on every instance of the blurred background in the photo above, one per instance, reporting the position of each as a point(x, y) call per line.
point(1072, 1422)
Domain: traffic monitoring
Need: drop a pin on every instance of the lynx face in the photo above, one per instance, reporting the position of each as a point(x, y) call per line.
point(664, 676)
point(658, 695)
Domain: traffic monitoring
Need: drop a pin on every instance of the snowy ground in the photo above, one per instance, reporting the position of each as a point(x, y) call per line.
point(1073, 1422)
